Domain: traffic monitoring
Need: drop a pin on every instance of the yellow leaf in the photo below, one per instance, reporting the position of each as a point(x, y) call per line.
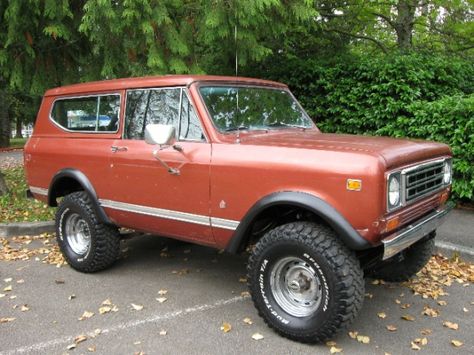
point(457, 343)
point(442, 303)
point(105, 309)
point(464, 309)
point(245, 294)
point(80, 338)
point(91, 349)
point(163, 332)
point(414, 346)
point(71, 346)
point(408, 317)
point(24, 308)
point(257, 336)
point(6, 320)
point(9, 279)
point(8, 288)
point(137, 307)
point(381, 315)
point(391, 328)
point(363, 339)
point(248, 321)
point(334, 350)
point(161, 299)
point(162, 292)
point(353, 335)
point(226, 327)
point(86, 315)
point(107, 302)
point(426, 331)
point(451, 325)
point(431, 312)
point(243, 279)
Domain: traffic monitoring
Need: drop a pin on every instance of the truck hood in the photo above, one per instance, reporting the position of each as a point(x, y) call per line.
point(394, 152)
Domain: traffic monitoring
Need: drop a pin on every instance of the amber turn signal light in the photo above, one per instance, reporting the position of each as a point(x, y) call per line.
point(354, 184)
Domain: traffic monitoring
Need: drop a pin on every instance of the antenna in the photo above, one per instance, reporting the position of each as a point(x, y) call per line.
point(236, 57)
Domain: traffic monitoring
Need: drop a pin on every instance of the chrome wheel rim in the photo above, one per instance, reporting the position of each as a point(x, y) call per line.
point(78, 234)
point(296, 286)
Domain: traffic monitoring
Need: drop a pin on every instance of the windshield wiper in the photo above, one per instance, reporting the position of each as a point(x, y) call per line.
point(239, 128)
point(283, 124)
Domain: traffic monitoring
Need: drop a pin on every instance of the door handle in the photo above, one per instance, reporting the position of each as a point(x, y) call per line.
point(115, 148)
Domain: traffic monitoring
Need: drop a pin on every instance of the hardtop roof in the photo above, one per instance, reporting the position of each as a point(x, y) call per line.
point(153, 81)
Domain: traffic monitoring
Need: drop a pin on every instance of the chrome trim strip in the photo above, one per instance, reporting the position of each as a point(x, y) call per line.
point(39, 190)
point(402, 239)
point(170, 214)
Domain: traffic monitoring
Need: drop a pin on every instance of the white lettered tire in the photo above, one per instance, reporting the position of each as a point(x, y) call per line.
point(305, 283)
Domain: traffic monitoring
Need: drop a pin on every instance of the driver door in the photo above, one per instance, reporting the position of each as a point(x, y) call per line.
point(147, 197)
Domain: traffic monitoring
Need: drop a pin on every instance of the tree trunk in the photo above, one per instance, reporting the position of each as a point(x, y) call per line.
point(3, 185)
point(18, 124)
point(4, 119)
point(404, 23)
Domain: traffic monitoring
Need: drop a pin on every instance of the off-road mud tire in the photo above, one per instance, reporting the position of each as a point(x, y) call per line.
point(337, 268)
point(104, 247)
point(403, 267)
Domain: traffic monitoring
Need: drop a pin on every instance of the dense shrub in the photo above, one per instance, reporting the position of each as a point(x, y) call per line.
point(415, 96)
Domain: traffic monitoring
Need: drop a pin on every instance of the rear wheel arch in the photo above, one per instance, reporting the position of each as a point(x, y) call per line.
point(71, 180)
point(315, 209)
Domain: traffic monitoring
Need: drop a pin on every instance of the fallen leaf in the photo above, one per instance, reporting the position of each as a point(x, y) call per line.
point(86, 315)
point(71, 297)
point(2, 295)
point(457, 343)
point(334, 350)
point(391, 328)
point(24, 308)
point(414, 346)
point(161, 299)
point(59, 282)
point(397, 301)
point(7, 319)
point(408, 317)
point(107, 302)
point(248, 321)
point(21, 281)
point(91, 349)
point(381, 315)
point(464, 309)
point(13, 297)
point(331, 343)
point(226, 327)
point(369, 295)
point(353, 335)
point(363, 339)
point(80, 338)
point(105, 309)
point(163, 332)
point(405, 306)
point(451, 325)
point(71, 346)
point(137, 342)
point(137, 307)
point(426, 331)
point(442, 303)
point(243, 279)
point(8, 288)
point(9, 279)
point(162, 292)
point(245, 294)
point(257, 336)
point(431, 312)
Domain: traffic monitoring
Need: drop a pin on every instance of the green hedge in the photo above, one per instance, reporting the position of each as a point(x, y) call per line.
point(416, 96)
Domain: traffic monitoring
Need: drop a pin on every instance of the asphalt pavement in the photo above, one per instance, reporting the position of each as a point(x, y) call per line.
point(202, 289)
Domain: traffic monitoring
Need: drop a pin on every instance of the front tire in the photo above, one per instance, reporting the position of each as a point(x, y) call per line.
point(304, 282)
point(86, 244)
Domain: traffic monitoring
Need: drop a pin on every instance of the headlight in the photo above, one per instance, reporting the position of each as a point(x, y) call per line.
point(393, 191)
point(447, 172)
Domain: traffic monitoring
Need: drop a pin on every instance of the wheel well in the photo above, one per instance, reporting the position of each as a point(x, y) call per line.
point(63, 187)
point(275, 216)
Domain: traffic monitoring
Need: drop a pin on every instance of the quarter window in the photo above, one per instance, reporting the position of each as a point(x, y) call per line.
point(161, 106)
point(88, 114)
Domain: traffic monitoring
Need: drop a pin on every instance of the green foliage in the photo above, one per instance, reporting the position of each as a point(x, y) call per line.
point(15, 207)
point(416, 96)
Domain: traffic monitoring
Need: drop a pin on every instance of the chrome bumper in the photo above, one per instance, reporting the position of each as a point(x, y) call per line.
point(402, 239)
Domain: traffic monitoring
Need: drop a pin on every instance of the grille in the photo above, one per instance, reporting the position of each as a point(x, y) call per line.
point(422, 180)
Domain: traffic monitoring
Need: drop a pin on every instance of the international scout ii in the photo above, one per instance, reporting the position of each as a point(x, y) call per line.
point(237, 164)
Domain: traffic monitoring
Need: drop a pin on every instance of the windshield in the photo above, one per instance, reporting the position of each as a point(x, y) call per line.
point(253, 108)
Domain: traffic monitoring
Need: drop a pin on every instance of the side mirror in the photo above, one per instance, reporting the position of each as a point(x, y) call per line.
point(159, 134)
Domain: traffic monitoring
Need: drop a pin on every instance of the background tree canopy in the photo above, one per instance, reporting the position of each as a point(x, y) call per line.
point(391, 67)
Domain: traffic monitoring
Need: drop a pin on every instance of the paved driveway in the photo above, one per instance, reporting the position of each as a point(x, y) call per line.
point(203, 289)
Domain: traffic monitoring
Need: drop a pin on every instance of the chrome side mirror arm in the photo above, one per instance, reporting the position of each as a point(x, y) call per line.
point(171, 170)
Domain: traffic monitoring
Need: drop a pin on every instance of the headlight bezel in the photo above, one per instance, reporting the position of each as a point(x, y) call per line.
point(448, 165)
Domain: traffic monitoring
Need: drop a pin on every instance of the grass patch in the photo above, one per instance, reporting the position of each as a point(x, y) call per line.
point(15, 207)
point(18, 142)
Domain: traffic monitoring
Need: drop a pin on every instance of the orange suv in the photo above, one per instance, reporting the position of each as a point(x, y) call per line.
point(236, 163)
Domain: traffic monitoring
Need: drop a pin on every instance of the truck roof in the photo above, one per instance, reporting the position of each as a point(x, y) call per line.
point(153, 81)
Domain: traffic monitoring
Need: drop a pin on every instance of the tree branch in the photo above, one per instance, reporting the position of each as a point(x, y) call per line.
point(385, 18)
point(378, 43)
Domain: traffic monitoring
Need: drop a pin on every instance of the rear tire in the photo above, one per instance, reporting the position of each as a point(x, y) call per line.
point(404, 266)
point(304, 282)
point(86, 244)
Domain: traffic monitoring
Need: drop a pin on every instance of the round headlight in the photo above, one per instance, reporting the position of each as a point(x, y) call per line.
point(394, 191)
point(447, 172)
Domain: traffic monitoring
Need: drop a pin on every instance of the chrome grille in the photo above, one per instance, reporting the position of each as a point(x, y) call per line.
point(423, 179)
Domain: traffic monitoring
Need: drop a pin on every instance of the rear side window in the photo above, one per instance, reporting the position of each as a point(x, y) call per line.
point(87, 114)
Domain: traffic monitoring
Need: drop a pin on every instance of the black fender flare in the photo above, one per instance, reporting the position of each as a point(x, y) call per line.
point(349, 236)
point(86, 185)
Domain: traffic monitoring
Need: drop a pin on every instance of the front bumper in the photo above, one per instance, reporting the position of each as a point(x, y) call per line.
point(402, 239)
